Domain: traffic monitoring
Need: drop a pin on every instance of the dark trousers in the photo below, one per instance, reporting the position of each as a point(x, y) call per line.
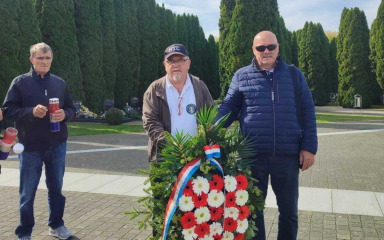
point(284, 172)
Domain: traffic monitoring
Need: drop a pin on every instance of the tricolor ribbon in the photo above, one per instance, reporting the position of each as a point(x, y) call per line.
point(182, 180)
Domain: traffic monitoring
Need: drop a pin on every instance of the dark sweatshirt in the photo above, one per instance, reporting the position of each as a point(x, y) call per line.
point(25, 92)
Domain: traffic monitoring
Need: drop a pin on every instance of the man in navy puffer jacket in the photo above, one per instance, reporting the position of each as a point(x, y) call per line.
point(262, 96)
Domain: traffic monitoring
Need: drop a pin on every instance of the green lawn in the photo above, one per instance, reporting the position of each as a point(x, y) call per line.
point(328, 117)
point(84, 128)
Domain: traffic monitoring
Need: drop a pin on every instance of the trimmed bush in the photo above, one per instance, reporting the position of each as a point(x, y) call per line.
point(114, 116)
point(135, 115)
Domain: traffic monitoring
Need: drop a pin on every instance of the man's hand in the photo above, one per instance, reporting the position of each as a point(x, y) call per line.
point(307, 159)
point(59, 115)
point(40, 111)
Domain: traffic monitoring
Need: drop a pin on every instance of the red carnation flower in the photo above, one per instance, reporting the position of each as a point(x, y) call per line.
point(188, 220)
point(243, 212)
point(216, 213)
point(230, 225)
point(239, 236)
point(202, 229)
point(217, 183)
point(188, 190)
point(217, 236)
point(200, 201)
point(230, 199)
point(242, 182)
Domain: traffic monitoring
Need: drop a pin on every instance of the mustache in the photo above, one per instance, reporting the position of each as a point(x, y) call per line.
point(265, 55)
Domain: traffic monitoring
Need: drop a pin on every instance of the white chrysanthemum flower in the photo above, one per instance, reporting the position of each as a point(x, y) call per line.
point(189, 234)
point(202, 215)
point(216, 228)
point(230, 183)
point(215, 199)
point(228, 236)
point(200, 185)
point(242, 226)
point(231, 212)
point(241, 197)
point(207, 237)
point(186, 204)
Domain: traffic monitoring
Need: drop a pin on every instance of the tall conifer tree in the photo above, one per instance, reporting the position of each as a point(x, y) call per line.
point(196, 46)
point(9, 45)
point(355, 76)
point(128, 51)
point(29, 32)
point(148, 28)
point(333, 67)
point(226, 10)
point(294, 49)
point(89, 35)
point(167, 33)
point(108, 21)
point(212, 77)
point(181, 29)
point(314, 60)
point(59, 32)
point(377, 45)
point(284, 39)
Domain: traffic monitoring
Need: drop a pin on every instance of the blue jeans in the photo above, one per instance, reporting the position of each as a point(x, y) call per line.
point(31, 164)
point(284, 172)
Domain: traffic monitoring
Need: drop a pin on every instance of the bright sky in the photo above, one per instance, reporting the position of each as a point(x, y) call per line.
point(294, 12)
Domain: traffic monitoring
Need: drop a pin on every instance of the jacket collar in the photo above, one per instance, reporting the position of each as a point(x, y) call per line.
point(160, 92)
point(279, 63)
point(37, 76)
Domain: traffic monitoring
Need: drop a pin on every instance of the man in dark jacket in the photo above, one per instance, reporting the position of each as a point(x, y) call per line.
point(262, 95)
point(26, 103)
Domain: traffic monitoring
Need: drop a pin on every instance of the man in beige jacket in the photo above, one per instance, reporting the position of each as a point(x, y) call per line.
point(171, 102)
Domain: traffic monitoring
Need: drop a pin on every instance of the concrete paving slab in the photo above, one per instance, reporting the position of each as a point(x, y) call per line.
point(6, 170)
point(8, 174)
point(310, 199)
point(121, 185)
point(380, 199)
point(137, 192)
point(355, 202)
point(71, 177)
point(90, 183)
point(315, 199)
point(270, 201)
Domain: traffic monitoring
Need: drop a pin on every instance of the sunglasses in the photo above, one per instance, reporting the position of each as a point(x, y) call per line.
point(262, 48)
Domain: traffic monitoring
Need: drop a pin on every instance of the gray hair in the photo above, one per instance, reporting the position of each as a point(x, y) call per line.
point(39, 47)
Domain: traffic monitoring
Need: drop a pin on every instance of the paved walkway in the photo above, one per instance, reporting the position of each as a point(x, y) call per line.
point(311, 199)
point(341, 196)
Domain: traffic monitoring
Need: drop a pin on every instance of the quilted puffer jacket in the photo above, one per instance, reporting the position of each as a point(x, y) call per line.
point(265, 104)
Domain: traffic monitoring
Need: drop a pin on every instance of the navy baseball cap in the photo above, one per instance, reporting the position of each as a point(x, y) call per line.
point(175, 49)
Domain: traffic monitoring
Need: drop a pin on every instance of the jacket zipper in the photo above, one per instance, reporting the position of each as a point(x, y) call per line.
point(274, 121)
point(271, 76)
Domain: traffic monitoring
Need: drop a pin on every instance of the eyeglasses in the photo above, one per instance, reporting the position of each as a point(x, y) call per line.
point(262, 48)
point(179, 106)
point(43, 58)
point(178, 62)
